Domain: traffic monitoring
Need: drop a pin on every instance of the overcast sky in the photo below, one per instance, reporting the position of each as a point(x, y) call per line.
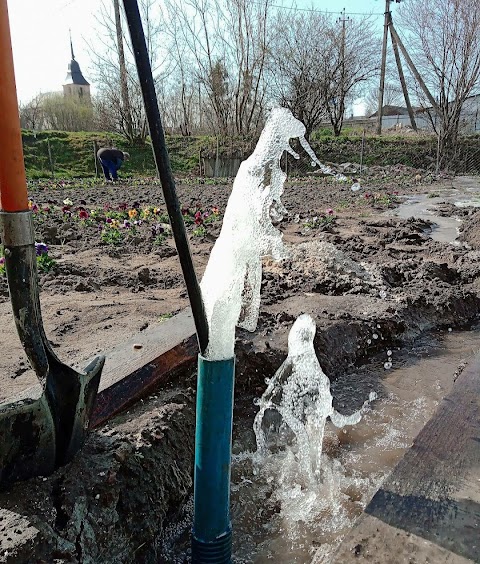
point(40, 36)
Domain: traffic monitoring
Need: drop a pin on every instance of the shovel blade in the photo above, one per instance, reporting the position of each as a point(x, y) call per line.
point(27, 440)
point(89, 383)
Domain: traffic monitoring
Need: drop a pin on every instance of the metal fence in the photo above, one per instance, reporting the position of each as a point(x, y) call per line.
point(364, 150)
point(56, 157)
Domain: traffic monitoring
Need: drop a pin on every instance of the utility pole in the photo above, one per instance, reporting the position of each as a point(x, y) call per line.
point(383, 67)
point(401, 76)
point(343, 20)
point(127, 113)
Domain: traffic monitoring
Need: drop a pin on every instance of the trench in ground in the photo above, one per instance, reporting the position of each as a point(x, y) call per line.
point(277, 517)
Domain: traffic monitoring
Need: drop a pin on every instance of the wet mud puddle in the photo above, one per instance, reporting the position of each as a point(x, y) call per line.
point(465, 192)
point(278, 517)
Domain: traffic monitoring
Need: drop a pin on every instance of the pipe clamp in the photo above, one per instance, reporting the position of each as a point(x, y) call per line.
point(17, 228)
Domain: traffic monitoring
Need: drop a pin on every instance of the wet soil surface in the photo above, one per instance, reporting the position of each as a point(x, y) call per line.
point(116, 269)
point(371, 280)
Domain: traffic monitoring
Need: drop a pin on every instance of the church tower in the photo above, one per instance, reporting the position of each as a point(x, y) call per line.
point(75, 85)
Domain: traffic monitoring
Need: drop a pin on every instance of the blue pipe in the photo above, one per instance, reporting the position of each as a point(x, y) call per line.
point(212, 530)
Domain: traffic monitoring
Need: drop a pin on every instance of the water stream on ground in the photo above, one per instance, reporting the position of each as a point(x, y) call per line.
point(276, 515)
point(465, 191)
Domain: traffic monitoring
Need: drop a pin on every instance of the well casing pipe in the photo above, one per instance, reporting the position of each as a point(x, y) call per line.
point(212, 531)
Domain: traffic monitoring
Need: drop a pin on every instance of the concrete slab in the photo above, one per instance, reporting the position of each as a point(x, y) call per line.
point(428, 510)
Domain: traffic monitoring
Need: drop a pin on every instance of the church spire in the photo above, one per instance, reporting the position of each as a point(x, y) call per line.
point(71, 44)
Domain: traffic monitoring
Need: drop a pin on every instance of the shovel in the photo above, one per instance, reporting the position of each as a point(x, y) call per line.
point(36, 434)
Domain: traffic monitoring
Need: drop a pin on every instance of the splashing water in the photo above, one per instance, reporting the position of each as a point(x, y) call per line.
point(300, 393)
point(232, 279)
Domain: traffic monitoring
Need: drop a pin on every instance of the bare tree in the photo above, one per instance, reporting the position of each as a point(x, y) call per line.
point(296, 73)
point(31, 114)
point(392, 96)
point(444, 43)
point(65, 113)
point(350, 60)
point(119, 104)
point(224, 43)
point(319, 65)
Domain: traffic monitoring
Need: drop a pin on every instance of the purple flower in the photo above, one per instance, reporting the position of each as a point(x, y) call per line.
point(41, 249)
point(157, 229)
point(126, 224)
point(2, 260)
point(109, 220)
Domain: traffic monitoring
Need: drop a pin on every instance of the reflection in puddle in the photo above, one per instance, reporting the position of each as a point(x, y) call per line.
point(464, 193)
point(444, 230)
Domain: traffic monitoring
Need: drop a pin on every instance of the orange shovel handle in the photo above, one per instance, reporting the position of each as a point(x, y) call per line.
point(13, 183)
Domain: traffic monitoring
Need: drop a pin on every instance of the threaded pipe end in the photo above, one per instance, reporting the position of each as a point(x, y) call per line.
point(217, 552)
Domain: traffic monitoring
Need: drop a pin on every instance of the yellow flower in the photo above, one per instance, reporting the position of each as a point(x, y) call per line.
point(115, 223)
point(132, 213)
point(30, 204)
point(156, 211)
point(146, 212)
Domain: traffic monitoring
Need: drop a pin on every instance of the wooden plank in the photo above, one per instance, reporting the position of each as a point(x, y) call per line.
point(135, 367)
point(375, 542)
point(434, 491)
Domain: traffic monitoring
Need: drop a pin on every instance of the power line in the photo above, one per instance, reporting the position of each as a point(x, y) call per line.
point(316, 10)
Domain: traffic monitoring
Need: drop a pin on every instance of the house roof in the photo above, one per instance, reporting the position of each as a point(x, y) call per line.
point(392, 111)
point(74, 74)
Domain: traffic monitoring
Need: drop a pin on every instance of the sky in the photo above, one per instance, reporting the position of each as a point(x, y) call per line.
point(41, 45)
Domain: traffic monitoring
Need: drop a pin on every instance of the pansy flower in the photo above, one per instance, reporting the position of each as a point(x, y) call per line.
point(83, 214)
point(41, 249)
point(329, 211)
point(132, 213)
point(68, 202)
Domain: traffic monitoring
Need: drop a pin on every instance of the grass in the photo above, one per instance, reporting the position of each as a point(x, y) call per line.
point(72, 154)
point(66, 155)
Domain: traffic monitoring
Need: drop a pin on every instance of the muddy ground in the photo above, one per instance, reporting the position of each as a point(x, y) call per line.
point(370, 280)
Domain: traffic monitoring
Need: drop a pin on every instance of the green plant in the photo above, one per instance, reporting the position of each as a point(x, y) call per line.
point(159, 240)
point(199, 231)
point(317, 222)
point(45, 263)
point(111, 236)
point(164, 317)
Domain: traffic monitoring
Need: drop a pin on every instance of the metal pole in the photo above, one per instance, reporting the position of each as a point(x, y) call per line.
point(95, 158)
point(50, 159)
point(401, 76)
point(362, 149)
point(414, 69)
point(383, 67)
point(162, 162)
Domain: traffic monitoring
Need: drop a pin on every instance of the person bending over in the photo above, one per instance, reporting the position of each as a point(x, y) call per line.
point(111, 160)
